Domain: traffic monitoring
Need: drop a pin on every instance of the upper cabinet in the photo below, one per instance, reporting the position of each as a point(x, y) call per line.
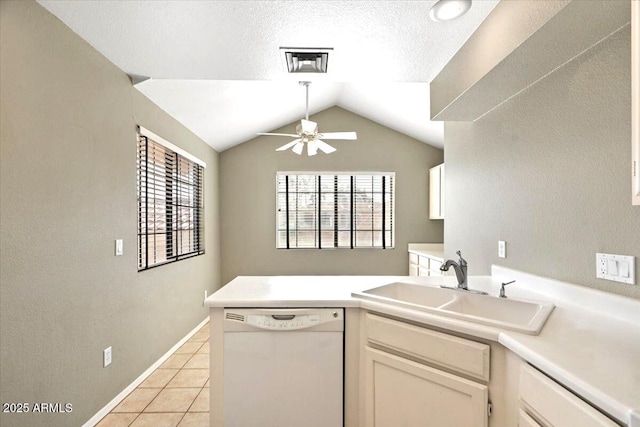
point(635, 100)
point(436, 192)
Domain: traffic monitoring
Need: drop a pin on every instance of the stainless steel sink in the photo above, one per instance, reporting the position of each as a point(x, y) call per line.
point(506, 313)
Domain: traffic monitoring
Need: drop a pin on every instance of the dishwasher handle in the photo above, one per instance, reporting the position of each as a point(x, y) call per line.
point(283, 316)
point(322, 319)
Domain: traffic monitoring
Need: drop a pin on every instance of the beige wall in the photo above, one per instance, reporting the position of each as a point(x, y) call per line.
point(68, 189)
point(247, 199)
point(548, 171)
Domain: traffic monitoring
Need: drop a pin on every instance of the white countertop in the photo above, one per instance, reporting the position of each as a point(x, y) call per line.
point(592, 348)
point(431, 250)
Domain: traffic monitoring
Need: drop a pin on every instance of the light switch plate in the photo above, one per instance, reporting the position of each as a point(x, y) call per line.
point(618, 268)
point(119, 247)
point(106, 356)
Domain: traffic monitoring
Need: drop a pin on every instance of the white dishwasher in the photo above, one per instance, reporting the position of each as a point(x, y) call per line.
point(283, 367)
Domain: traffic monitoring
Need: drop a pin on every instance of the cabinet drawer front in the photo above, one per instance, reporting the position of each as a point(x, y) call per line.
point(458, 354)
point(400, 392)
point(555, 405)
point(424, 262)
point(434, 265)
point(413, 259)
point(524, 420)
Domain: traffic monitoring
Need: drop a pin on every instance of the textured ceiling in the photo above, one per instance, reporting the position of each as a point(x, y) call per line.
point(215, 65)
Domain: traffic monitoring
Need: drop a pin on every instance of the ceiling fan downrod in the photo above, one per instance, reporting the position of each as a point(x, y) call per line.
point(306, 86)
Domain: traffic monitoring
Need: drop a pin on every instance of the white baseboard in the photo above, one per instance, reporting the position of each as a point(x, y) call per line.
point(124, 393)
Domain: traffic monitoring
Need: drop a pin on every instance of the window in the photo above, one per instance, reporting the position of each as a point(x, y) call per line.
point(170, 202)
point(335, 210)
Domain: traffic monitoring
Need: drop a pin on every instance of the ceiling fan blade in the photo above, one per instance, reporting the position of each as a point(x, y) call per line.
point(278, 134)
point(312, 148)
point(324, 147)
point(289, 145)
point(340, 135)
point(298, 148)
point(308, 126)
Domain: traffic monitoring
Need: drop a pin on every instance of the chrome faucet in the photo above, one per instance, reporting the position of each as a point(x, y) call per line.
point(460, 268)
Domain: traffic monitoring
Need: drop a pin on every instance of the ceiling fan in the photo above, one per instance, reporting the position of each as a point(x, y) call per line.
point(307, 132)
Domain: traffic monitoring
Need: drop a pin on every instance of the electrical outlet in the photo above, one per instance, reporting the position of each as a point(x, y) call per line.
point(502, 249)
point(602, 266)
point(106, 356)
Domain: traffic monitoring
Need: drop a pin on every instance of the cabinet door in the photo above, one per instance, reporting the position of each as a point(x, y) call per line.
point(423, 266)
point(435, 193)
point(413, 264)
point(442, 204)
point(413, 269)
point(434, 267)
point(400, 392)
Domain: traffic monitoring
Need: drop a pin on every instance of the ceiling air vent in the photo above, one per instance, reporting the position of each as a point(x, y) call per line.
point(305, 60)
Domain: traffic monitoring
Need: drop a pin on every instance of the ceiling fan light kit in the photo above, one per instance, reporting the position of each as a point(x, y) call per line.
point(307, 132)
point(447, 10)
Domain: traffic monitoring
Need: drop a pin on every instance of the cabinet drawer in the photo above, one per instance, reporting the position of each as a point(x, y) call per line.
point(434, 265)
point(554, 405)
point(413, 259)
point(457, 354)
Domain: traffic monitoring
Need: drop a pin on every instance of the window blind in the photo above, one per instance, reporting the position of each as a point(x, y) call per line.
point(335, 210)
point(170, 205)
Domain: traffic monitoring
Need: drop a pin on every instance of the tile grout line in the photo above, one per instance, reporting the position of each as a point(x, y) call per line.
point(154, 398)
point(164, 388)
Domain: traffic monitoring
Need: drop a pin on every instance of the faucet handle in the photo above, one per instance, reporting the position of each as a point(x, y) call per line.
point(461, 261)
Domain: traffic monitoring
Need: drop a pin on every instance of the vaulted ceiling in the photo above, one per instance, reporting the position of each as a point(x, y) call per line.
point(215, 66)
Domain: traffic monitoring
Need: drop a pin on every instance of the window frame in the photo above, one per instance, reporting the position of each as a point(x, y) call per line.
point(184, 178)
point(352, 230)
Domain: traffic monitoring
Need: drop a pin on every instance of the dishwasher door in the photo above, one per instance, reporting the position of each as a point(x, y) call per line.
point(283, 367)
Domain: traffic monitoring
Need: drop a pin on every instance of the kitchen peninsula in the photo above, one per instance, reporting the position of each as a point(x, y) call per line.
point(581, 367)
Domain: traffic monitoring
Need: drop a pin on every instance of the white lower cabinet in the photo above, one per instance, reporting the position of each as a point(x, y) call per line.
point(401, 392)
point(411, 377)
point(546, 403)
point(413, 270)
point(421, 265)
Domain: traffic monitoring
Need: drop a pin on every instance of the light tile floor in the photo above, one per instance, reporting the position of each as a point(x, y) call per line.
point(175, 394)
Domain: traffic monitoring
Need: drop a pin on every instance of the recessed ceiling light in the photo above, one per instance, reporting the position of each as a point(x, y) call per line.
point(305, 60)
point(446, 10)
